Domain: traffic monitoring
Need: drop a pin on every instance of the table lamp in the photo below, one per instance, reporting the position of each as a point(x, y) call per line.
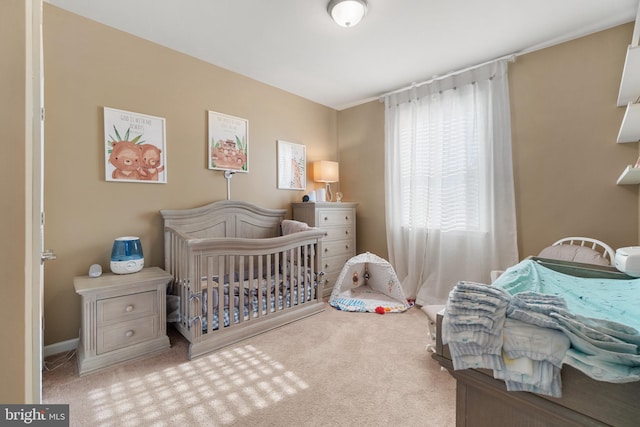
point(327, 172)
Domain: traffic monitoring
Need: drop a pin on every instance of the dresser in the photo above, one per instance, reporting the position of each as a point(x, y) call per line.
point(338, 221)
point(123, 317)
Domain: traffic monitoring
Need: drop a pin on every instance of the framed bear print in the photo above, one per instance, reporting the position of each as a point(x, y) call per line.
point(135, 147)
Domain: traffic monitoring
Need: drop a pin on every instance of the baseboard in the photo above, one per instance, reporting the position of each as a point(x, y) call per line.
point(60, 347)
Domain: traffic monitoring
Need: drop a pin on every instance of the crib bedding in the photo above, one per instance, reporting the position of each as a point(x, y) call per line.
point(590, 324)
point(255, 302)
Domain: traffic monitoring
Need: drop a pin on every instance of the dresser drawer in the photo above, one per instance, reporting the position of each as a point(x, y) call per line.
point(332, 267)
point(330, 217)
point(338, 233)
point(124, 334)
point(338, 247)
point(330, 280)
point(334, 264)
point(126, 307)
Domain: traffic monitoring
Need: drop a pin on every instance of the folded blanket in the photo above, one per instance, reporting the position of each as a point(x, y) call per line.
point(598, 338)
point(472, 325)
point(608, 327)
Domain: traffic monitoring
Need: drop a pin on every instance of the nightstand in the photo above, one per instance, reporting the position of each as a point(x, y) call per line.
point(338, 220)
point(123, 317)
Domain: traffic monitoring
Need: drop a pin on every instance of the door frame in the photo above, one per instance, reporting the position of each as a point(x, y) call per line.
point(34, 199)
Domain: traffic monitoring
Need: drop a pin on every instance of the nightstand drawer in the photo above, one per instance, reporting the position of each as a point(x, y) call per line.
point(124, 334)
point(338, 233)
point(329, 217)
point(126, 307)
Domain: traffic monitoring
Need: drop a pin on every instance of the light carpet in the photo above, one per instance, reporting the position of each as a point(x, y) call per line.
point(331, 369)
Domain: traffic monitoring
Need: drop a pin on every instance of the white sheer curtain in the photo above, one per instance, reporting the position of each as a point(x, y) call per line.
point(449, 195)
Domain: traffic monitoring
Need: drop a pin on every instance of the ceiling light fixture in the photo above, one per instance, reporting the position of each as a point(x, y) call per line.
point(347, 13)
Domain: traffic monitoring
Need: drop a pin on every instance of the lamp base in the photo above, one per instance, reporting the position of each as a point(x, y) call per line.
point(329, 195)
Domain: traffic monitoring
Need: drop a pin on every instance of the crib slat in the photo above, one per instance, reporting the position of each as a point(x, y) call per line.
point(269, 294)
point(276, 280)
point(250, 314)
point(258, 287)
point(220, 288)
point(242, 301)
point(307, 283)
point(210, 292)
point(195, 289)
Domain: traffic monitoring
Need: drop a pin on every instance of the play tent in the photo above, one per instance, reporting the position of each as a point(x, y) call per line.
point(368, 283)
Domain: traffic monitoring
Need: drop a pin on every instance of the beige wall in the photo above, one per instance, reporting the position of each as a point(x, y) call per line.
point(565, 122)
point(361, 153)
point(12, 203)
point(566, 161)
point(88, 66)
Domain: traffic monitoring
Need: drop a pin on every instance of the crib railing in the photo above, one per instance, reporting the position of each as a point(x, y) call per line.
point(252, 281)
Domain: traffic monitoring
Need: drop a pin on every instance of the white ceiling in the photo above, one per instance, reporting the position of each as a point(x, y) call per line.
point(295, 46)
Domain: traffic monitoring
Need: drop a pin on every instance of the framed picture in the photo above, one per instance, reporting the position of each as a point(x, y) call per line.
point(135, 147)
point(292, 161)
point(228, 142)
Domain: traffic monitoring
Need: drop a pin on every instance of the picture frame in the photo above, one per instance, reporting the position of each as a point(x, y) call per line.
point(135, 147)
point(292, 162)
point(227, 142)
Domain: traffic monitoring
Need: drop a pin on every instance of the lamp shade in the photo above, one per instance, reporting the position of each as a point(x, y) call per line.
point(347, 13)
point(325, 171)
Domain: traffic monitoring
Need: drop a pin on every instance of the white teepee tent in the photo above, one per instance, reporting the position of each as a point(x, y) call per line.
point(368, 283)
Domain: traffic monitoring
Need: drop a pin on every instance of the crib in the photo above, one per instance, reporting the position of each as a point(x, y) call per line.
point(235, 275)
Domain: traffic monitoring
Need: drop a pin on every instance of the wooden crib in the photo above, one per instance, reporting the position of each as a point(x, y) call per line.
point(235, 275)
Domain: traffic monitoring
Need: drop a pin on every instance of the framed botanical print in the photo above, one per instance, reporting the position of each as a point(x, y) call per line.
point(292, 161)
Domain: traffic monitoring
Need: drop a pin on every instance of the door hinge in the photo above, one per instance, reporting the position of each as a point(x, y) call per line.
point(48, 255)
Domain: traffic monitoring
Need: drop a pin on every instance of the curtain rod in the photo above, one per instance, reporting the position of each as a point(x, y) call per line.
point(510, 58)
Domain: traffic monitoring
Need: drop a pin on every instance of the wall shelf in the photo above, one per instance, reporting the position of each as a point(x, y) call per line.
point(630, 84)
point(630, 175)
point(630, 127)
point(629, 95)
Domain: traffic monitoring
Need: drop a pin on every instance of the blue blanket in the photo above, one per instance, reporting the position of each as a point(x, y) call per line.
point(615, 300)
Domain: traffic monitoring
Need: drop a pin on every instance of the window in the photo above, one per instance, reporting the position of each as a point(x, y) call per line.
point(441, 141)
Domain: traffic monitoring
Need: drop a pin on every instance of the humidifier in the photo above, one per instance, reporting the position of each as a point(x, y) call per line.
point(126, 255)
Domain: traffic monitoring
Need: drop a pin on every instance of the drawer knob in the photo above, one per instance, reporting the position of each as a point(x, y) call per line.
point(346, 246)
point(129, 308)
point(326, 218)
point(326, 266)
point(346, 232)
point(129, 333)
point(326, 250)
point(346, 218)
